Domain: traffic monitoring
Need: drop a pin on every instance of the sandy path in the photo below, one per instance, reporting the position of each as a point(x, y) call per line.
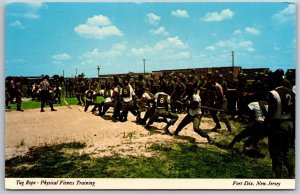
point(103, 137)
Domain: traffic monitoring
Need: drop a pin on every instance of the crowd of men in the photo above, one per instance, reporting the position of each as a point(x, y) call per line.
point(266, 103)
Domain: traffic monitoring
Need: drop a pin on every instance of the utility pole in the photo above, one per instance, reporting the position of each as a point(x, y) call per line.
point(76, 71)
point(98, 68)
point(144, 61)
point(63, 73)
point(232, 60)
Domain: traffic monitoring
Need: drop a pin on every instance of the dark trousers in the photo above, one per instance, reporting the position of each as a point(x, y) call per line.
point(104, 107)
point(18, 101)
point(117, 108)
point(254, 132)
point(149, 113)
point(196, 124)
point(282, 147)
point(128, 106)
point(87, 104)
point(161, 112)
point(231, 104)
point(45, 98)
point(221, 104)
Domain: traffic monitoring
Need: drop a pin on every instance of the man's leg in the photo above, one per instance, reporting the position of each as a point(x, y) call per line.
point(186, 120)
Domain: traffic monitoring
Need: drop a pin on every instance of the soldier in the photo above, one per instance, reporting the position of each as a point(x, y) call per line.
point(254, 131)
point(194, 115)
point(140, 86)
point(19, 95)
point(231, 95)
point(180, 93)
point(45, 96)
point(171, 86)
point(8, 93)
point(242, 89)
point(89, 98)
point(281, 122)
point(162, 102)
point(108, 102)
point(290, 75)
point(208, 92)
point(147, 98)
point(127, 94)
point(153, 84)
point(220, 102)
point(117, 82)
point(163, 84)
point(80, 91)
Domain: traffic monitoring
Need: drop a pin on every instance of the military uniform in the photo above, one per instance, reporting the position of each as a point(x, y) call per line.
point(162, 101)
point(108, 100)
point(254, 131)
point(89, 99)
point(45, 96)
point(127, 94)
point(19, 95)
point(281, 133)
point(147, 98)
point(231, 96)
point(220, 103)
point(194, 115)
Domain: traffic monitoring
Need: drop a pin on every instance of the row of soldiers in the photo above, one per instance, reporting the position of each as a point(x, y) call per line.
point(14, 91)
point(239, 91)
point(271, 101)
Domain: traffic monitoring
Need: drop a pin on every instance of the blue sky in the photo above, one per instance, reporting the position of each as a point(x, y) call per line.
point(47, 38)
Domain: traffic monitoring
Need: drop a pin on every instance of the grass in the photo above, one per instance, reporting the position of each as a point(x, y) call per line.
point(177, 160)
point(34, 104)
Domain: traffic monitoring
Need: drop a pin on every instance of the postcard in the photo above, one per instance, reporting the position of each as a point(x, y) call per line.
point(150, 95)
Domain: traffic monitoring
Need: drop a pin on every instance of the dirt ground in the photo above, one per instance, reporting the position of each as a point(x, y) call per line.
point(102, 136)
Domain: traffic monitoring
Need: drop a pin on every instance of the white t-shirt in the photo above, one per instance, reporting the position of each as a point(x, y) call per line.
point(254, 106)
point(197, 111)
point(146, 96)
point(160, 103)
point(130, 95)
point(107, 99)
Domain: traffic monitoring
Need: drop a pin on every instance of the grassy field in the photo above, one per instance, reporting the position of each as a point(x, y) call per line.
point(29, 104)
point(184, 160)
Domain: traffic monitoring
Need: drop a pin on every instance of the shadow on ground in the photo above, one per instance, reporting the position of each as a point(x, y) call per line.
point(173, 160)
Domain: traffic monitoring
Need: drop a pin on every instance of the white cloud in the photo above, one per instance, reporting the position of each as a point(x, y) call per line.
point(93, 57)
point(180, 13)
point(98, 20)
point(97, 27)
point(210, 48)
point(61, 57)
point(234, 44)
point(248, 30)
point(160, 31)
point(252, 31)
point(237, 32)
point(217, 17)
point(169, 49)
point(153, 19)
point(286, 14)
point(32, 16)
point(17, 24)
point(174, 41)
